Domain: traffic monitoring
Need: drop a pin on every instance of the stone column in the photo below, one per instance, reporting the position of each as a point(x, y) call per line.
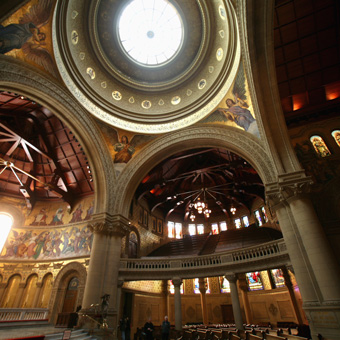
point(165, 293)
point(235, 301)
point(244, 292)
point(37, 295)
point(19, 294)
point(203, 289)
point(316, 270)
point(103, 270)
point(178, 305)
point(289, 286)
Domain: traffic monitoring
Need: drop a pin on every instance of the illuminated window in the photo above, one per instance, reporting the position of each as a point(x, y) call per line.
point(264, 214)
point(172, 288)
point(245, 221)
point(192, 229)
point(200, 229)
point(197, 286)
point(320, 146)
point(258, 218)
point(278, 278)
point(6, 222)
point(254, 281)
point(214, 229)
point(225, 285)
point(150, 32)
point(238, 223)
point(336, 136)
point(171, 229)
point(178, 230)
point(223, 226)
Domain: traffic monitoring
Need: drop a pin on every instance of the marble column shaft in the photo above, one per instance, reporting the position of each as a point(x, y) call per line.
point(235, 301)
point(202, 288)
point(178, 304)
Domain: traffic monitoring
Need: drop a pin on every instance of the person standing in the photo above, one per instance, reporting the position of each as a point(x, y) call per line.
point(148, 330)
point(165, 328)
point(127, 328)
point(122, 327)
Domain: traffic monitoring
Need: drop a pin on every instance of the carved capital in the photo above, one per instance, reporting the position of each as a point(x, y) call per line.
point(110, 225)
point(202, 285)
point(289, 186)
point(232, 278)
point(177, 282)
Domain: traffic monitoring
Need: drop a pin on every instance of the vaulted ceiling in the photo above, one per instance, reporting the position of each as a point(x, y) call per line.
point(49, 163)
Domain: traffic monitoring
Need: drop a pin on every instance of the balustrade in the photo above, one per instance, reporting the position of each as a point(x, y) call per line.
point(16, 314)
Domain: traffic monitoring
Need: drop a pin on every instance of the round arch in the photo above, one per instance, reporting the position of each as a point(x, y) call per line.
point(233, 139)
point(60, 286)
point(18, 77)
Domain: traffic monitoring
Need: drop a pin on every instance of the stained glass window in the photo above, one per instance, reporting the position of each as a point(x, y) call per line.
point(264, 214)
point(171, 229)
point(223, 226)
point(214, 229)
point(254, 281)
point(200, 229)
point(336, 136)
point(320, 146)
point(278, 278)
point(238, 223)
point(258, 218)
point(245, 221)
point(225, 285)
point(178, 230)
point(192, 229)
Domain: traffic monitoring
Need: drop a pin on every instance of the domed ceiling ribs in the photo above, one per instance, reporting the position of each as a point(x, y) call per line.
point(220, 177)
point(37, 153)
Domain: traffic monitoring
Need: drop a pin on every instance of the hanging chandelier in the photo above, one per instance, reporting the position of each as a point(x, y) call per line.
point(199, 205)
point(192, 216)
point(233, 210)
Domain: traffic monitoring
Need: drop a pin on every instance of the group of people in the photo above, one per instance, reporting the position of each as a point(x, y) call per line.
point(148, 329)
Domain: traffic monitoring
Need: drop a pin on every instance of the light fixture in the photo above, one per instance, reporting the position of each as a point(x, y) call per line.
point(192, 216)
point(199, 205)
point(6, 221)
point(207, 212)
point(233, 210)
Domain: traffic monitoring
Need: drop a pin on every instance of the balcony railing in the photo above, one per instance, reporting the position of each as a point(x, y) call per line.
point(272, 254)
point(22, 314)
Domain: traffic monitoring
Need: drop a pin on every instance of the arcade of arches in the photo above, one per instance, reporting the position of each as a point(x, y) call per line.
point(104, 157)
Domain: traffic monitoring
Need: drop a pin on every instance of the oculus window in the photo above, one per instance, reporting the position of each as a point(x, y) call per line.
point(150, 32)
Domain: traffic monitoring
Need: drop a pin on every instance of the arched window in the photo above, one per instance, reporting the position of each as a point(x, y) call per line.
point(178, 230)
point(225, 285)
point(320, 146)
point(214, 229)
point(245, 221)
point(254, 281)
point(336, 136)
point(133, 245)
point(171, 229)
point(278, 278)
point(192, 229)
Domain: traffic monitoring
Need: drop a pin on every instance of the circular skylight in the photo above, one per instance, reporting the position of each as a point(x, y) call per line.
point(150, 31)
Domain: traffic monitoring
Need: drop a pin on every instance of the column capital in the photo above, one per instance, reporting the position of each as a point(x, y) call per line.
point(231, 277)
point(177, 281)
point(242, 282)
point(289, 186)
point(109, 225)
point(202, 285)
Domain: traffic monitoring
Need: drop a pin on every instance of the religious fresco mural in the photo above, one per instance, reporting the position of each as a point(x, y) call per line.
point(124, 145)
point(36, 240)
point(27, 35)
point(236, 108)
point(42, 244)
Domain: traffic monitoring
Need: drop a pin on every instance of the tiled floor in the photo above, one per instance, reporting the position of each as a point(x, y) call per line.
point(10, 333)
